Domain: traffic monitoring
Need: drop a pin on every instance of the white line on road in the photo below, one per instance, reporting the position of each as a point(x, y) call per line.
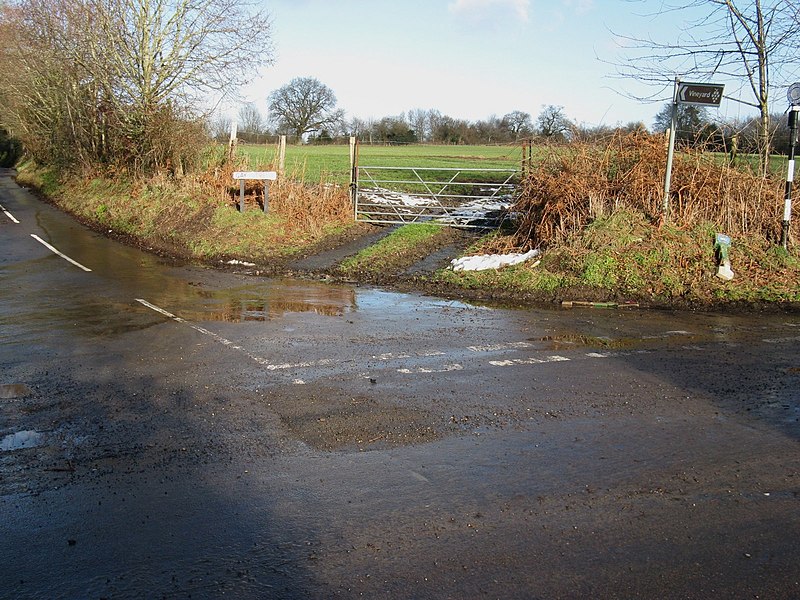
point(8, 214)
point(614, 354)
point(226, 342)
point(204, 331)
point(556, 358)
point(302, 365)
point(445, 369)
point(392, 356)
point(156, 308)
point(528, 361)
point(61, 254)
point(499, 347)
point(793, 338)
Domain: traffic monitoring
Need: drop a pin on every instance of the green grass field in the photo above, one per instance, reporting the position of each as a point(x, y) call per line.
point(327, 164)
point(331, 163)
point(778, 163)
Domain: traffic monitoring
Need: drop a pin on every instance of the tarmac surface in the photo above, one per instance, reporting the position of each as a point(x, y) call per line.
point(172, 431)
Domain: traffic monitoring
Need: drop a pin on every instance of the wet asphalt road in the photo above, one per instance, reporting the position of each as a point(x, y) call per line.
point(172, 431)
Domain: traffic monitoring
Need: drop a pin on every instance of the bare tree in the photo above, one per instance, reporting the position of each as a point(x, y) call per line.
point(553, 124)
point(418, 121)
point(434, 120)
point(519, 123)
point(303, 105)
point(754, 41)
point(251, 122)
point(123, 79)
point(219, 128)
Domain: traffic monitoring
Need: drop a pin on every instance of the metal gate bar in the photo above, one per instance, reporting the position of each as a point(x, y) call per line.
point(421, 194)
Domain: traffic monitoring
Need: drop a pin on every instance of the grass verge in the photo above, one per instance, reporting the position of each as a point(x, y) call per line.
point(624, 257)
point(396, 252)
point(197, 217)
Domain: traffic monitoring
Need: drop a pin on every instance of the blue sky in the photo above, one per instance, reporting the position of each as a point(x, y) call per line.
point(467, 58)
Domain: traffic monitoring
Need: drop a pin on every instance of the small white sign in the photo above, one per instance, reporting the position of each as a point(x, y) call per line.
point(271, 175)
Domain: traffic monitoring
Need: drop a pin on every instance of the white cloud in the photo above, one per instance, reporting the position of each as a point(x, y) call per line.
point(580, 7)
point(482, 7)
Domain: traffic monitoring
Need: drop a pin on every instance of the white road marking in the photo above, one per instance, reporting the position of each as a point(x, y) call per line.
point(226, 342)
point(8, 214)
point(419, 477)
point(795, 338)
point(499, 347)
point(302, 365)
point(615, 354)
point(204, 331)
point(403, 355)
point(528, 361)
point(61, 254)
point(156, 308)
point(445, 369)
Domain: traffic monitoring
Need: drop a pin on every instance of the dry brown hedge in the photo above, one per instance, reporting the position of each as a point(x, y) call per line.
point(307, 207)
point(576, 184)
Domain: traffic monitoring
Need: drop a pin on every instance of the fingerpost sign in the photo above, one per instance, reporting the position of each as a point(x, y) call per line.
point(700, 94)
point(697, 94)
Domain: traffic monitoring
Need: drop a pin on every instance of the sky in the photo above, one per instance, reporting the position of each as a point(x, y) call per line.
point(469, 59)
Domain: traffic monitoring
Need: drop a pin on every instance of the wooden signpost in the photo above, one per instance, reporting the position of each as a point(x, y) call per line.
point(265, 176)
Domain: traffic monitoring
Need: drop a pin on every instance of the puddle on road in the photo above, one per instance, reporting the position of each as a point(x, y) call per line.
point(20, 440)
point(12, 391)
point(567, 341)
point(271, 300)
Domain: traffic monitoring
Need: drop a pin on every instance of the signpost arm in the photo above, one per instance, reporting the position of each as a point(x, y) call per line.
point(670, 151)
point(787, 210)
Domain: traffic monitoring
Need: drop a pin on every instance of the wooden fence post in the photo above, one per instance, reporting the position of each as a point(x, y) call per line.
point(281, 155)
point(232, 142)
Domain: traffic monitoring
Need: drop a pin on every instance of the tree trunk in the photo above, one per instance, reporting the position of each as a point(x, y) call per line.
point(764, 142)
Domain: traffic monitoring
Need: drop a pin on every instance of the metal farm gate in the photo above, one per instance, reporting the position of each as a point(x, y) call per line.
point(469, 197)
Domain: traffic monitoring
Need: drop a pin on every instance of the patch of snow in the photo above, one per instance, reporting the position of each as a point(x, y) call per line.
point(384, 196)
point(491, 261)
point(455, 214)
point(19, 440)
point(241, 262)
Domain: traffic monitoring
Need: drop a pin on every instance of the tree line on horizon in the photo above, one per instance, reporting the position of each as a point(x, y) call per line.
point(305, 111)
